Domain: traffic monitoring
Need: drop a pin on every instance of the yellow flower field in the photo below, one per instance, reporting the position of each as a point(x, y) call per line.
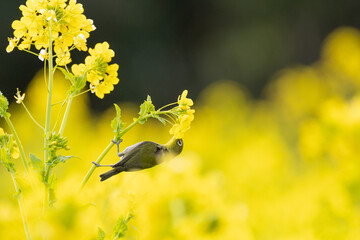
point(285, 166)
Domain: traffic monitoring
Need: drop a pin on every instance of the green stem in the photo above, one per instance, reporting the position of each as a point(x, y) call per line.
point(92, 169)
point(107, 149)
point(18, 142)
point(32, 118)
point(48, 116)
point(66, 114)
point(20, 201)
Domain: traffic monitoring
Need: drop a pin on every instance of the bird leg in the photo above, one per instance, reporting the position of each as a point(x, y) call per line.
point(117, 145)
point(98, 165)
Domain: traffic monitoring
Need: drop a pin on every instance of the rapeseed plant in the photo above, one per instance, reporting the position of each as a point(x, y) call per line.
point(283, 167)
point(50, 30)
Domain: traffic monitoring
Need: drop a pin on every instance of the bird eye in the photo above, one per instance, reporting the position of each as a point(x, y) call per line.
point(179, 142)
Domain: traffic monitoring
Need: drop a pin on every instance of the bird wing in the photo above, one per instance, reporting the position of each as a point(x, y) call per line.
point(143, 155)
point(129, 153)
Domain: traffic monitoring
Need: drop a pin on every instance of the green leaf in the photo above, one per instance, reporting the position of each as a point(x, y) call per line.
point(36, 163)
point(101, 234)
point(162, 120)
point(121, 227)
point(116, 124)
point(64, 158)
point(4, 104)
point(147, 107)
point(79, 83)
point(59, 159)
point(52, 197)
point(68, 75)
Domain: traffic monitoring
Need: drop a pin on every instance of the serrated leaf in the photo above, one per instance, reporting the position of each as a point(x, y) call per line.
point(146, 107)
point(116, 124)
point(36, 163)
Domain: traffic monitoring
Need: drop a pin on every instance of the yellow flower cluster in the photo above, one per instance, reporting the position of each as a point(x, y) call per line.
point(51, 22)
point(246, 167)
point(98, 72)
point(186, 115)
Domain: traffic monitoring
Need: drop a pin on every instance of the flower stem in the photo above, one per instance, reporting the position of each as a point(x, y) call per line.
point(18, 142)
point(48, 116)
point(92, 169)
point(32, 118)
point(107, 149)
point(20, 201)
point(66, 114)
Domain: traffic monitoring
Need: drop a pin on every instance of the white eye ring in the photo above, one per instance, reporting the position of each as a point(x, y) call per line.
point(179, 142)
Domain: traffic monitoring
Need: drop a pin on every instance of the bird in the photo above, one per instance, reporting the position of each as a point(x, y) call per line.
point(142, 155)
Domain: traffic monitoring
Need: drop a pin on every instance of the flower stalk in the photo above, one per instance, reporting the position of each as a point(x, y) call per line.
point(18, 142)
point(108, 148)
point(20, 202)
point(66, 115)
point(48, 117)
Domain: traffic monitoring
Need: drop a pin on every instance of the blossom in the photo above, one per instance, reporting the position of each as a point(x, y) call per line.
point(102, 50)
point(185, 115)
point(19, 98)
point(184, 102)
point(43, 55)
point(80, 42)
point(178, 129)
point(62, 19)
point(101, 76)
point(13, 42)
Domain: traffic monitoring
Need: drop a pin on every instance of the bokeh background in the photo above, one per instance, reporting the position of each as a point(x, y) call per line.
point(192, 43)
point(273, 152)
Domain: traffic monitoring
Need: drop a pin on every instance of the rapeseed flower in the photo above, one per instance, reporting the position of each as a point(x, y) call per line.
point(19, 98)
point(62, 20)
point(184, 102)
point(101, 76)
point(185, 115)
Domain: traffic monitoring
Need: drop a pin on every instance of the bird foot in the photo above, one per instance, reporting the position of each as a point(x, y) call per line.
point(117, 145)
point(96, 164)
point(116, 142)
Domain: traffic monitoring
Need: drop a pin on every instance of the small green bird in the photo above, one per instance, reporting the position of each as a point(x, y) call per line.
point(140, 156)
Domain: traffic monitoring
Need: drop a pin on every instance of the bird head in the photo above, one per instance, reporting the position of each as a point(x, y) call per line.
point(175, 146)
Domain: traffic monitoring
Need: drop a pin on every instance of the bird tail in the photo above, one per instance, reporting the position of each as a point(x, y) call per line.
point(111, 173)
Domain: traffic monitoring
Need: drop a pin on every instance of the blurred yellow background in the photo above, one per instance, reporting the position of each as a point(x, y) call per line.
point(285, 166)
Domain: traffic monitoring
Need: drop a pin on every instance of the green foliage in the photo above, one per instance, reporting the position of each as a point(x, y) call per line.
point(101, 234)
point(68, 75)
point(77, 82)
point(157, 116)
point(36, 163)
point(7, 147)
point(51, 183)
point(116, 124)
point(56, 143)
point(121, 227)
point(146, 108)
point(4, 104)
